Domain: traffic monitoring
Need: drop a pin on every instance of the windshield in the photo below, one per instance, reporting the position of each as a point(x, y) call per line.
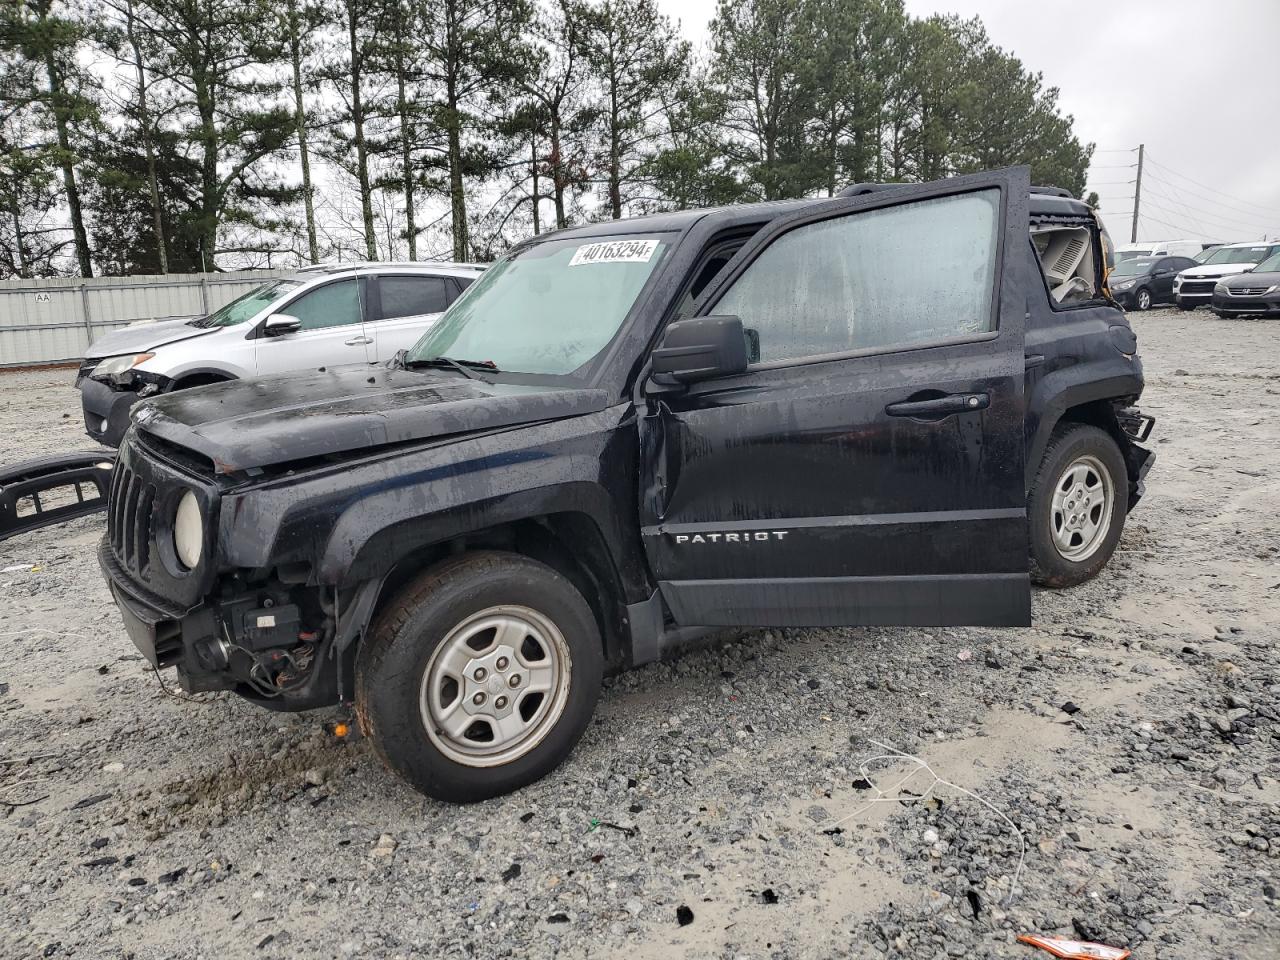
point(1133, 267)
point(1238, 254)
point(242, 308)
point(1269, 265)
point(547, 309)
point(1130, 254)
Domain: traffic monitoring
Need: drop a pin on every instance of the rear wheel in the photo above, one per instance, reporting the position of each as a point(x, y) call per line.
point(480, 676)
point(1143, 299)
point(1077, 505)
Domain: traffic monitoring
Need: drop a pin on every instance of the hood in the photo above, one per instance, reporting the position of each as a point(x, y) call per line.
point(1254, 279)
point(1207, 271)
point(257, 423)
point(141, 337)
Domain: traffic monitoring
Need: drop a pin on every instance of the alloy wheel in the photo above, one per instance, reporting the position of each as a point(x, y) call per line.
point(1083, 500)
point(495, 686)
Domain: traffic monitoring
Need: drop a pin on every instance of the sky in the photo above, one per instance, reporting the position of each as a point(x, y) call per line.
point(1193, 80)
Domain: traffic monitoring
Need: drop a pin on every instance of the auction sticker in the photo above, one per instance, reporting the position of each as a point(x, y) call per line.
point(615, 251)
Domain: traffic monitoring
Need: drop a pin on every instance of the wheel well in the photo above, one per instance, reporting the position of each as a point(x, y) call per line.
point(199, 380)
point(569, 543)
point(1098, 413)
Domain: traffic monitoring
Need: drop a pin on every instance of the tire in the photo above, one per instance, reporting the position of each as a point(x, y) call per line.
point(479, 610)
point(1076, 453)
point(1142, 299)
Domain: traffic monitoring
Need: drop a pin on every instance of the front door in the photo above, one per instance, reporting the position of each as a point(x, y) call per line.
point(867, 468)
point(333, 332)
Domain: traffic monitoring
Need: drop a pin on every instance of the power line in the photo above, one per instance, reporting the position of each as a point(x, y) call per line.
point(1244, 214)
point(1248, 203)
point(1221, 219)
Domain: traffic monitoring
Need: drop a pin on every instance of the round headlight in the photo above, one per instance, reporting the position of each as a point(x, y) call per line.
point(188, 531)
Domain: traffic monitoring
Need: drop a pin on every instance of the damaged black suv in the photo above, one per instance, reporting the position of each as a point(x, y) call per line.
point(900, 405)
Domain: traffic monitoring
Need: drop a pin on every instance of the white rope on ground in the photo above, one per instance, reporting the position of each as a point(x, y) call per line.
point(893, 755)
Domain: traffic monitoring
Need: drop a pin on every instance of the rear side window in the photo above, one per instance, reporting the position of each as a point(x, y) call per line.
point(898, 276)
point(333, 305)
point(411, 296)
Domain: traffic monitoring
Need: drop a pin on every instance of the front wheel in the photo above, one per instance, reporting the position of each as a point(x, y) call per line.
point(480, 677)
point(1143, 299)
point(1077, 505)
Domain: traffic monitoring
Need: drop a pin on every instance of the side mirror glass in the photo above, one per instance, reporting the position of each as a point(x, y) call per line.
point(700, 349)
point(282, 323)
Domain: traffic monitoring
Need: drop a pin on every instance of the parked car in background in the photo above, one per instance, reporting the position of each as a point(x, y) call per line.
point(319, 316)
point(1193, 287)
point(1254, 293)
point(1158, 248)
point(1140, 282)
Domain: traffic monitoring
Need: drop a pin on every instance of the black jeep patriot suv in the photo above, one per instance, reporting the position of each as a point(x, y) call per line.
point(900, 405)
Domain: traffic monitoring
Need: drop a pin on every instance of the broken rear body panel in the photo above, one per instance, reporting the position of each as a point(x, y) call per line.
point(827, 491)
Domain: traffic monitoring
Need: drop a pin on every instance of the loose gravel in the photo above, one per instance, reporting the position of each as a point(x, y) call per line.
point(718, 806)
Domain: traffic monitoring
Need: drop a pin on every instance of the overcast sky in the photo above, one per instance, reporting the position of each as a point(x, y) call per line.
point(1195, 80)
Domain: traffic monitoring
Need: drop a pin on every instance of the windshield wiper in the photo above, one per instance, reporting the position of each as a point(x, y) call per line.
point(459, 365)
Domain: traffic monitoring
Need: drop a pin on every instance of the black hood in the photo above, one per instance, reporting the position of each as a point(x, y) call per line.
point(1251, 280)
point(257, 423)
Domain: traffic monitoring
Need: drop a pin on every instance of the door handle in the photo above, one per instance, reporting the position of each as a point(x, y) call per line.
point(938, 407)
point(358, 341)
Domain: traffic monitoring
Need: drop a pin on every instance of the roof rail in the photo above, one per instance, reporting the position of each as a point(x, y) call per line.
point(1053, 191)
point(862, 189)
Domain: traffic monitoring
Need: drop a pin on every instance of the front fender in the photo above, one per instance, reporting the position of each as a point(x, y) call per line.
point(353, 522)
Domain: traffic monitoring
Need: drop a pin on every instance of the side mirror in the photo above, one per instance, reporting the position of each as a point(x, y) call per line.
point(700, 349)
point(281, 323)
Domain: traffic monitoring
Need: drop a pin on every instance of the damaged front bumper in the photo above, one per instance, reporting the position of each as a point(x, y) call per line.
point(48, 490)
point(106, 410)
point(252, 640)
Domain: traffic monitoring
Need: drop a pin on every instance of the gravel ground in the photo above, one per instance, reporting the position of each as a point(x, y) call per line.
point(1127, 745)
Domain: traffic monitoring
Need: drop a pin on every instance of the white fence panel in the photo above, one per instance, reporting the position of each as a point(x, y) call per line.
point(54, 320)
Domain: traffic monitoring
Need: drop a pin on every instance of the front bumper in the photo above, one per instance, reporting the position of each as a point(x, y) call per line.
point(161, 631)
point(1195, 293)
point(1261, 306)
point(106, 411)
point(1125, 297)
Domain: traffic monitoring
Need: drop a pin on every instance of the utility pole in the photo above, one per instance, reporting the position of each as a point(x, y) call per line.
point(1137, 197)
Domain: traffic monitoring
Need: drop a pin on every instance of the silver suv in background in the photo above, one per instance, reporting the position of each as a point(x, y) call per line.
point(318, 317)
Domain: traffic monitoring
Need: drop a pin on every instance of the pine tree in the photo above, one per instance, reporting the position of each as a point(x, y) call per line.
point(637, 60)
point(468, 52)
point(228, 111)
point(50, 36)
point(762, 70)
point(301, 21)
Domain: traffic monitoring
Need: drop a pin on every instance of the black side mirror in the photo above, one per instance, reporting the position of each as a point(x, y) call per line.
point(700, 349)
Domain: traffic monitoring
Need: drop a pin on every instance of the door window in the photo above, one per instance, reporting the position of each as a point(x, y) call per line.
point(333, 305)
point(903, 275)
point(411, 296)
